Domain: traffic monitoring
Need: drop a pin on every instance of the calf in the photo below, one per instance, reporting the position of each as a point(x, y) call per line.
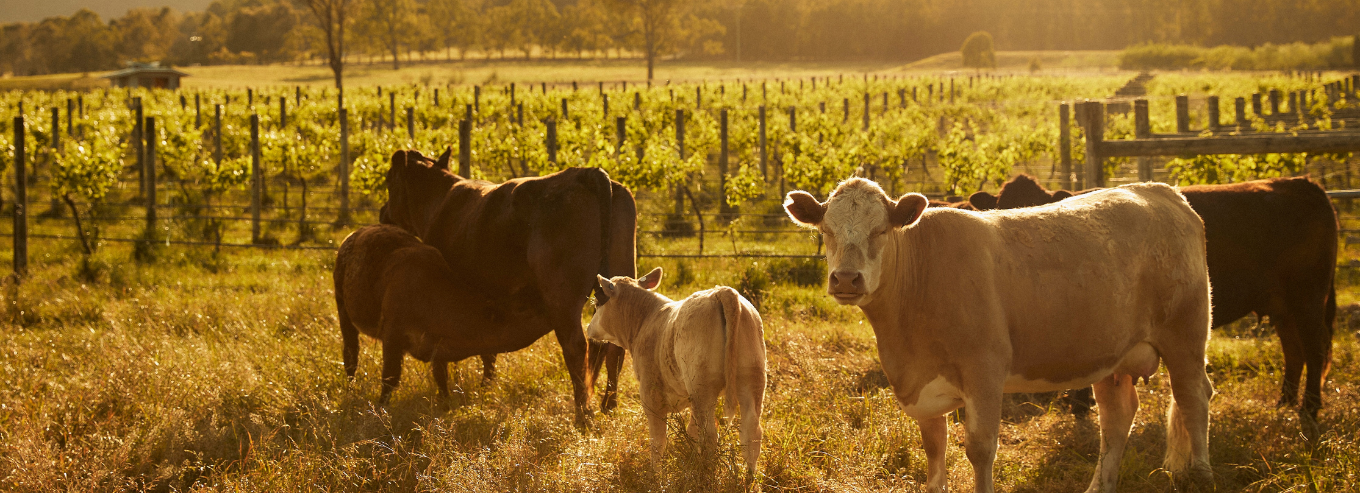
point(1271, 250)
point(967, 306)
point(685, 354)
point(392, 287)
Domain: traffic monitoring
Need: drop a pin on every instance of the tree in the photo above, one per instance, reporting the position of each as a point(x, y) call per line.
point(331, 16)
point(664, 25)
point(390, 21)
point(977, 51)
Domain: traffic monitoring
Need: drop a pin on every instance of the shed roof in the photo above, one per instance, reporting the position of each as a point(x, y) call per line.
point(153, 68)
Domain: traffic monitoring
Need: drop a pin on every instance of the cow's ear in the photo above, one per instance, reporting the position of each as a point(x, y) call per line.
point(982, 201)
point(650, 280)
point(606, 285)
point(907, 209)
point(1061, 194)
point(804, 209)
point(443, 162)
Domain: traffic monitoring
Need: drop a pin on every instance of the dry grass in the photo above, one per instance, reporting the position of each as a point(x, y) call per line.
point(211, 372)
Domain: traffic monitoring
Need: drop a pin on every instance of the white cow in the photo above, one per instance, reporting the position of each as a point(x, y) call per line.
point(968, 306)
point(686, 353)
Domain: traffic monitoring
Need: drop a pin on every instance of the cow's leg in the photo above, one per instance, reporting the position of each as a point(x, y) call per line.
point(983, 427)
point(656, 428)
point(1118, 401)
point(489, 367)
point(394, 351)
point(612, 358)
point(934, 439)
point(1316, 338)
point(573, 341)
point(703, 425)
point(1079, 401)
point(751, 397)
point(349, 335)
point(1187, 424)
point(1287, 327)
point(440, 368)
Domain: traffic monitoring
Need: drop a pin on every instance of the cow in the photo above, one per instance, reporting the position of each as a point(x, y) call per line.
point(967, 306)
point(1272, 251)
point(536, 242)
point(392, 287)
point(685, 354)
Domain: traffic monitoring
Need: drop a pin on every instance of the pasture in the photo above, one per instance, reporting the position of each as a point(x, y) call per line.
point(208, 372)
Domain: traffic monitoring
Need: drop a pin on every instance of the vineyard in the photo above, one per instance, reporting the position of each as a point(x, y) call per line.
point(715, 155)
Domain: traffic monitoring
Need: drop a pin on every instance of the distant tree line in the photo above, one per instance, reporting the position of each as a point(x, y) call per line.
point(269, 31)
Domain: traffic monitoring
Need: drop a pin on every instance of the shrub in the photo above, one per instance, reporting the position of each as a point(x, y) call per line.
point(978, 50)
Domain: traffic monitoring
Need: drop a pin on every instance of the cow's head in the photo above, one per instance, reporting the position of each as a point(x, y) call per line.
point(1021, 191)
point(855, 223)
point(617, 320)
point(416, 185)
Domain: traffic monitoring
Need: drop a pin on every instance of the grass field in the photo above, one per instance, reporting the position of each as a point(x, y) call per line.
point(222, 372)
point(435, 71)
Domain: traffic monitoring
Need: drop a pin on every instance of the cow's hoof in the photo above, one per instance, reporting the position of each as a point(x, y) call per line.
point(1198, 478)
point(608, 404)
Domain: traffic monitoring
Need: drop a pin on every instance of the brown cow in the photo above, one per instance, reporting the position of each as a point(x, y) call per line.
point(1271, 250)
point(967, 306)
point(537, 242)
point(392, 287)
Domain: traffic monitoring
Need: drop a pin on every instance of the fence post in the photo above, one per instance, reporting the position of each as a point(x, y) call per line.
point(392, 111)
point(620, 129)
point(866, 112)
point(1240, 111)
point(56, 128)
point(198, 112)
point(465, 148)
point(761, 114)
point(1142, 129)
point(519, 113)
point(1256, 104)
point(344, 166)
point(604, 99)
point(1294, 102)
point(283, 112)
point(138, 137)
point(217, 135)
point(150, 174)
point(411, 122)
point(1182, 114)
point(256, 181)
point(20, 200)
point(551, 139)
point(1213, 113)
point(477, 99)
point(70, 117)
point(845, 105)
point(637, 101)
point(1274, 101)
point(722, 155)
point(297, 94)
point(1095, 132)
point(680, 148)
point(436, 97)
point(1065, 144)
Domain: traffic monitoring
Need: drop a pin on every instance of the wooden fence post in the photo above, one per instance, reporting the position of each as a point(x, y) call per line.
point(1240, 111)
point(604, 100)
point(477, 99)
point(150, 174)
point(256, 181)
point(1095, 133)
point(1213, 113)
point(344, 166)
point(1142, 129)
point(845, 107)
point(70, 117)
point(866, 112)
point(56, 129)
point(565, 116)
point(411, 122)
point(680, 148)
point(217, 135)
point(519, 114)
point(551, 139)
point(722, 155)
point(1274, 101)
point(283, 112)
point(198, 112)
point(436, 97)
point(1182, 114)
point(139, 136)
point(392, 111)
point(621, 130)
point(20, 200)
point(1065, 144)
point(1294, 102)
point(637, 101)
point(465, 148)
point(1256, 103)
point(764, 173)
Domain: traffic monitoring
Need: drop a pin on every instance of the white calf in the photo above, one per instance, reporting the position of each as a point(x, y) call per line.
point(685, 354)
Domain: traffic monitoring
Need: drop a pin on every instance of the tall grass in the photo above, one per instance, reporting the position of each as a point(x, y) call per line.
point(222, 372)
point(1331, 54)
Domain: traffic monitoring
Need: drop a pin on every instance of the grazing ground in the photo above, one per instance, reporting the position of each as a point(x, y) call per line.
point(437, 72)
point(222, 372)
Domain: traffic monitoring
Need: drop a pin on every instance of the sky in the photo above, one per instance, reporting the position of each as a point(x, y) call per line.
point(36, 10)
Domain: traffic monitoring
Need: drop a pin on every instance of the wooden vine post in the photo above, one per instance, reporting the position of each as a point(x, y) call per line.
point(20, 200)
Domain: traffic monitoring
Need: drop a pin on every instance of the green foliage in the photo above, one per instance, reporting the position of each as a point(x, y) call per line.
point(1332, 54)
point(978, 51)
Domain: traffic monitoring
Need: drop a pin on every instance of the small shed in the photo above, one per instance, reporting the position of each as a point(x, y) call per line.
point(151, 75)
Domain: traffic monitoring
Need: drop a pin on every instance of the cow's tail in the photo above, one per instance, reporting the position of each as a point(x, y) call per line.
point(743, 353)
point(744, 371)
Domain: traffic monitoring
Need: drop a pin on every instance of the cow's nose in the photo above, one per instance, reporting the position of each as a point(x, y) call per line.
point(847, 280)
